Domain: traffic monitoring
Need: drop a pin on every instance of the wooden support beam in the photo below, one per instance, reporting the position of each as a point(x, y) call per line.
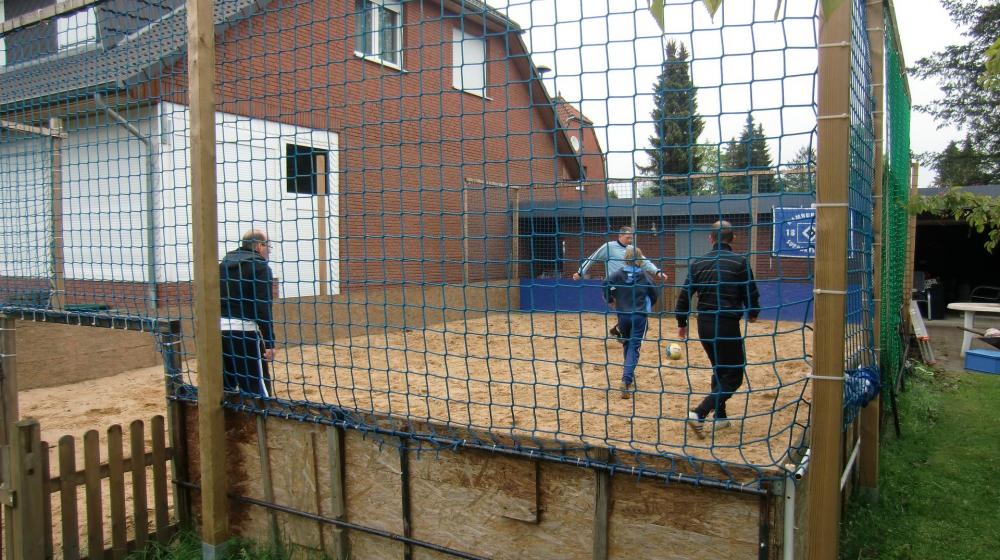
point(404, 496)
point(205, 223)
point(28, 129)
point(322, 241)
point(27, 481)
point(265, 471)
point(870, 421)
point(834, 107)
point(8, 419)
point(338, 502)
point(58, 300)
point(602, 506)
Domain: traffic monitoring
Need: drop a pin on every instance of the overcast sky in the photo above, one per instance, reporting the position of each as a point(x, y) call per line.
point(606, 55)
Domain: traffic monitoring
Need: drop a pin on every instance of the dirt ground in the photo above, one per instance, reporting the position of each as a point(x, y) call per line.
point(557, 376)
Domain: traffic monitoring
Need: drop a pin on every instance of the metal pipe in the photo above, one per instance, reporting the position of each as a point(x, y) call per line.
point(150, 232)
point(795, 473)
point(340, 523)
point(850, 464)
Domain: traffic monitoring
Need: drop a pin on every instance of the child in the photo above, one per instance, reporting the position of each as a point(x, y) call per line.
point(633, 295)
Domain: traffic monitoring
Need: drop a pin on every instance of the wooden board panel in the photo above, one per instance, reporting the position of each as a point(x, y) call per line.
point(680, 522)
point(140, 515)
point(68, 498)
point(116, 484)
point(372, 485)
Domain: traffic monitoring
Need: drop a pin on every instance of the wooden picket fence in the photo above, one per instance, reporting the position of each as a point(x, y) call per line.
point(29, 523)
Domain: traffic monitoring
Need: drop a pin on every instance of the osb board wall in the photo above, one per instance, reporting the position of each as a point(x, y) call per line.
point(488, 504)
point(50, 354)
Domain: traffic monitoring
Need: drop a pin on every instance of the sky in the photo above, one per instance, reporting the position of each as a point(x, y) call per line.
point(605, 56)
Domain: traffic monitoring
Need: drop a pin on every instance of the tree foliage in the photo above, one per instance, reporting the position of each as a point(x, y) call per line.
point(749, 152)
point(961, 165)
point(676, 124)
point(959, 69)
point(804, 159)
point(981, 212)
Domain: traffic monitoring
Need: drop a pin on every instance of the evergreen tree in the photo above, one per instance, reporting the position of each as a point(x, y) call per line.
point(961, 166)
point(805, 158)
point(676, 125)
point(748, 153)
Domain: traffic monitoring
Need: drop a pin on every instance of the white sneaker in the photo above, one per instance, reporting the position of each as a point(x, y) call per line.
point(696, 424)
point(722, 423)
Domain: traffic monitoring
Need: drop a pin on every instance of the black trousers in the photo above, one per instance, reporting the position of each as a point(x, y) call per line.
point(243, 365)
point(722, 339)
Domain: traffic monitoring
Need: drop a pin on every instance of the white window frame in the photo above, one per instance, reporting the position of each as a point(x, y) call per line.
point(3, 43)
point(77, 30)
point(371, 42)
point(468, 75)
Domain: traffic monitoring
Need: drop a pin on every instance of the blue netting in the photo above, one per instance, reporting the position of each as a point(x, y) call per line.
point(427, 193)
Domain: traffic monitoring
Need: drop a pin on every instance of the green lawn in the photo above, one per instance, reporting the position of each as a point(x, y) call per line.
point(939, 484)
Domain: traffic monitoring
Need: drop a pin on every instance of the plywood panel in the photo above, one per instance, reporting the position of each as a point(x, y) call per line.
point(651, 519)
point(372, 485)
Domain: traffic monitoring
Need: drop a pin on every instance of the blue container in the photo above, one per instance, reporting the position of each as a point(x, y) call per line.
point(985, 361)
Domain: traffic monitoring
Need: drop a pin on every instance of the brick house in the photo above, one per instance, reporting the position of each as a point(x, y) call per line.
point(380, 143)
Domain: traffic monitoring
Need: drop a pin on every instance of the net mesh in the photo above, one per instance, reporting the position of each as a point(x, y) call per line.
point(896, 192)
point(406, 190)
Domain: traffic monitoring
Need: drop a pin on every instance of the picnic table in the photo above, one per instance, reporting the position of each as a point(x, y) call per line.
point(971, 308)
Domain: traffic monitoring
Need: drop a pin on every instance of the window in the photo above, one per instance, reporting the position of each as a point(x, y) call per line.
point(379, 29)
point(469, 60)
point(3, 46)
point(77, 29)
point(301, 168)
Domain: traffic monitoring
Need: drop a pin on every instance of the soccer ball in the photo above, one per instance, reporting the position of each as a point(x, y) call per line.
point(674, 351)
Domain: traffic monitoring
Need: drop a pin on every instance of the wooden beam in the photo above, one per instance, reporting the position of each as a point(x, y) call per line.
point(28, 129)
point(58, 300)
point(870, 422)
point(338, 501)
point(8, 419)
point(602, 506)
point(322, 257)
point(26, 480)
point(208, 339)
point(265, 471)
point(834, 107)
point(404, 496)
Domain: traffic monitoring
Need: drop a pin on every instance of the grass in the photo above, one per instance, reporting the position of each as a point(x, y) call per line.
point(939, 485)
point(186, 545)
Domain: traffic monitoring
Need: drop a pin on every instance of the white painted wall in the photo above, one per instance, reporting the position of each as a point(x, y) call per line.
point(104, 200)
point(251, 194)
point(25, 192)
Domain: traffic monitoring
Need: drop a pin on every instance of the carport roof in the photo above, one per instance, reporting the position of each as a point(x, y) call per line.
point(988, 190)
point(725, 205)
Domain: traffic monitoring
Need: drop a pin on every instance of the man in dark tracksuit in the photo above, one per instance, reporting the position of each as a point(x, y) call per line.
point(247, 328)
point(726, 291)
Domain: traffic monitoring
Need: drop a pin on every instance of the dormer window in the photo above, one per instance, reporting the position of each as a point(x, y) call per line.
point(78, 29)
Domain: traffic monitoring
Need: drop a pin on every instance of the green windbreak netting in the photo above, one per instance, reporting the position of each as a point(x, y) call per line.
point(895, 189)
point(427, 208)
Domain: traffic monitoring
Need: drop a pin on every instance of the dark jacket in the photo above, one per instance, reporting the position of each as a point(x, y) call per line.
point(245, 286)
point(629, 289)
point(724, 283)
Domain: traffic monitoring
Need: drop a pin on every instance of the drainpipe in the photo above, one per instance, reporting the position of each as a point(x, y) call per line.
point(794, 474)
point(150, 232)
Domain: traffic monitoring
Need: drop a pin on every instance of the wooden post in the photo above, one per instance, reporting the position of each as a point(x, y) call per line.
point(116, 489)
point(754, 209)
point(868, 462)
point(208, 339)
point(27, 481)
point(602, 501)
point(8, 417)
point(58, 301)
point(338, 503)
point(140, 511)
point(265, 471)
point(404, 495)
point(92, 488)
point(322, 258)
point(831, 281)
point(171, 341)
point(68, 498)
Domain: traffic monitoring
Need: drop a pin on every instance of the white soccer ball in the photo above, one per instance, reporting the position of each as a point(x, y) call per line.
point(992, 333)
point(674, 351)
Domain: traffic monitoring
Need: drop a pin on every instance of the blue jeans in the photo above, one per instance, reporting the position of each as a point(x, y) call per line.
point(632, 327)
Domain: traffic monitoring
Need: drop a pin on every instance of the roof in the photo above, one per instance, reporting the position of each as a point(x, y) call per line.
point(568, 113)
point(988, 190)
point(725, 205)
point(135, 58)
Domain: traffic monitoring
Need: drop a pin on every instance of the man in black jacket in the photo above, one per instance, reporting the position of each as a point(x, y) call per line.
point(726, 291)
point(247, 328)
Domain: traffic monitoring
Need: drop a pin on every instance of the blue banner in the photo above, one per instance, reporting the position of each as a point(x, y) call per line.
point(795, 232)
